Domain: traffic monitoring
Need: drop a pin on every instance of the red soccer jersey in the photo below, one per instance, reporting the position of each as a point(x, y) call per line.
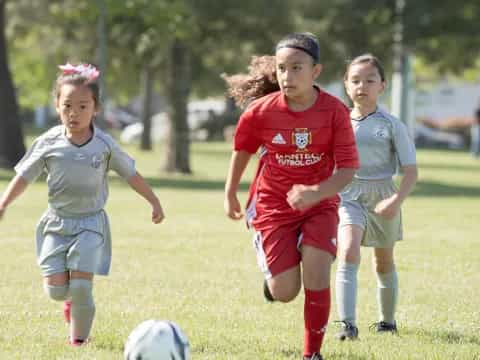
point(298, 148)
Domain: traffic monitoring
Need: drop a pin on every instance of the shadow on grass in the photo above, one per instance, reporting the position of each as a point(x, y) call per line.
point(341, 356)
point(422, 188)
point(447, 337)
point(6, 174)
point(436, 189)
point(296, 354)
point(184, 183)
point(452, 167)
point(214, 152)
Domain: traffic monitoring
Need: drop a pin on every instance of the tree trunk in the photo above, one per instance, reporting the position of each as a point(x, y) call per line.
point(11, 137)
point(147, 90)
point(178, 90)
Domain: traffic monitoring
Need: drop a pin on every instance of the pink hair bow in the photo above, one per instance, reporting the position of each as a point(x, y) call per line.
point(87, 70)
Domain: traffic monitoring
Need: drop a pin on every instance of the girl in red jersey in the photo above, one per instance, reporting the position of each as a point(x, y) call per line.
point(308, 156)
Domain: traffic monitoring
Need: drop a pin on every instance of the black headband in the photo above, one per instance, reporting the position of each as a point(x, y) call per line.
point(315, 56)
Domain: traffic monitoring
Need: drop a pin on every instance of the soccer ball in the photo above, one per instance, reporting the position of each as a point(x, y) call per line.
point(157, 340)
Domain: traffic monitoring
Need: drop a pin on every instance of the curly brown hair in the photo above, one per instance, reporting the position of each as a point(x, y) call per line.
point(260, 80)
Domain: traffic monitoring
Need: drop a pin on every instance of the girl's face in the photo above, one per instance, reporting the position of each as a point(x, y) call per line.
point(76, 107)
point(296, 72)
point(364, 84)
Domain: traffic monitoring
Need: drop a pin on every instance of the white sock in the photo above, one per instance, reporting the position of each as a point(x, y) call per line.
point(387, 295)
point(346, 291)
point(83, 308)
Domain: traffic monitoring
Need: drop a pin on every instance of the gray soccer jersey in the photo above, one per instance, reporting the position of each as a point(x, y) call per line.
point(76, 175)
point(383, 144)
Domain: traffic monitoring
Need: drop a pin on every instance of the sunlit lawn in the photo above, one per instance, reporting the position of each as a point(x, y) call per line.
point(199, 270)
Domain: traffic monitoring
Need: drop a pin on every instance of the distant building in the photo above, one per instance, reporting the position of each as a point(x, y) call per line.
point(438, 100)
point(447, 99)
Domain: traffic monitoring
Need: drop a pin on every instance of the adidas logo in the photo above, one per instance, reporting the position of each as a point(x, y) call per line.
point(278, 139)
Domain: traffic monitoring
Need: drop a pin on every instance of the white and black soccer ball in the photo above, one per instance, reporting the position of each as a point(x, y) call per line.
point(157, 340)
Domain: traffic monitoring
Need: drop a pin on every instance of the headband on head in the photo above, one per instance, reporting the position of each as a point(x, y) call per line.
point(315, 57)
point(87, 70)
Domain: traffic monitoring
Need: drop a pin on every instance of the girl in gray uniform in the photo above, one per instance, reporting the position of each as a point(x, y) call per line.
point(73, 235)
point(370, 207)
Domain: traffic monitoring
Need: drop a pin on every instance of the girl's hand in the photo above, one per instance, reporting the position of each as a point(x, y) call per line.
point(232, 207)
point(388, 207)
point(2, 211)
point(157, 213)
point(302, 197)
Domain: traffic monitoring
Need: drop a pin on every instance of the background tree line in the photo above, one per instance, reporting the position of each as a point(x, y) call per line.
point(180, 47)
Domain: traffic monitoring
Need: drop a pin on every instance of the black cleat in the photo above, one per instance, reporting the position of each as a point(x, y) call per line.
point(348, 331)
point(315, 356)
point(384, 327)
point(266, 292)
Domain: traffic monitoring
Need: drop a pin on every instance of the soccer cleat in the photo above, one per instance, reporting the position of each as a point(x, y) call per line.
point(383, 327)
point(348, 331)
point(315, 356)
point(67, 306)
point(77, 342)
point(266, 292)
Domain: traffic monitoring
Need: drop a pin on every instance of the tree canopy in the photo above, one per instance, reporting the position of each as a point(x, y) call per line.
point(221, 36)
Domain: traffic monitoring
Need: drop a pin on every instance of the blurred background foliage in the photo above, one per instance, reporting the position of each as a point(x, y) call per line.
point(178, 49)
point(221, 36)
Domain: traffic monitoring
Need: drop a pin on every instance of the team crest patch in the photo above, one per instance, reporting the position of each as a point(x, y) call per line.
point(302, 138)
point(97, 160)
point(381, 132)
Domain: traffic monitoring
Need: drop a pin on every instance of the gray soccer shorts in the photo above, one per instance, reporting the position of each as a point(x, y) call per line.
point(357, 208)
point(78, 244)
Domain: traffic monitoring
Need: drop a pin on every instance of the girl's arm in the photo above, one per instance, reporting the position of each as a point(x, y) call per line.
point(238, 163)
point(409, 179)
point(389, 207)
point(301, 197)
point(16, 186)
point(140, 186)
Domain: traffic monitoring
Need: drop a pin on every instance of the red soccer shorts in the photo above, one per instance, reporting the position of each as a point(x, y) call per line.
point(278, 247)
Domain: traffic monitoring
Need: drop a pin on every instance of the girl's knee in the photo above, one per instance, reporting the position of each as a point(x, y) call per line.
point(284, 292)
point(383, 266)
point(383, 260)
point(57, 292)
point(350, 255)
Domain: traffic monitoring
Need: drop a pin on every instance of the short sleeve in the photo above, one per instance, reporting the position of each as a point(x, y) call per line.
point(31, 166)
point(345, 149)
point(404, 145)
point(246, 136)
point(121, 162)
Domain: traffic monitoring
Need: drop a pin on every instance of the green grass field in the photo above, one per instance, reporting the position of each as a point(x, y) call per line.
point(198, 269)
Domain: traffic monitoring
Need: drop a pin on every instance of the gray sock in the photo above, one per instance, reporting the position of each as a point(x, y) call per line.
point(346, 291)
point(387, 295)
point(83, 308)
